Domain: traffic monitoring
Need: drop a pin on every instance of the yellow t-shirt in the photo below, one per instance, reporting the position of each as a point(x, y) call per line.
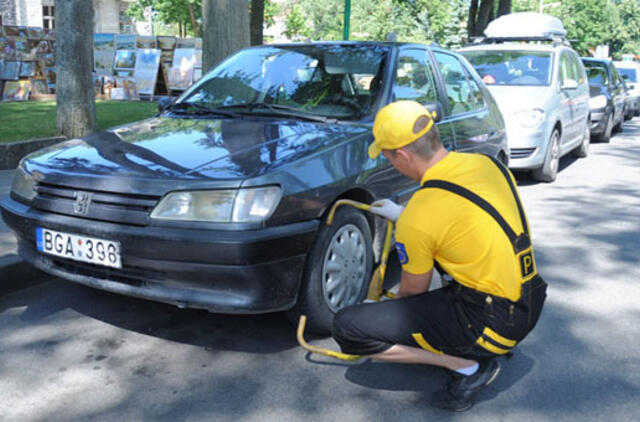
point(467, 242)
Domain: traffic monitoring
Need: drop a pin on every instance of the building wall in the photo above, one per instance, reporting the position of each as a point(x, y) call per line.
point(106, 16)
point(8, 12)
point(28, 12)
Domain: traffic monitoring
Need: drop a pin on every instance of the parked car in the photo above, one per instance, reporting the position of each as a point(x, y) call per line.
point(607, 98)
point(630, 74)
point(219, 201)
point(541, 89)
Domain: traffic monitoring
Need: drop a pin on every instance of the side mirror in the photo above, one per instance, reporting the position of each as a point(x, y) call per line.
point(569, 84)
point(164, 103)
point(436, 108)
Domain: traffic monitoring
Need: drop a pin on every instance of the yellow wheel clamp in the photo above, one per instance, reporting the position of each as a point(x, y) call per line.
point(375, 291)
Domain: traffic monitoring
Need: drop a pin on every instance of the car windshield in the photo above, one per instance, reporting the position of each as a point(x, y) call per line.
point(334, 81)
point(511, 67)
point(629, 73)
point(597, 73)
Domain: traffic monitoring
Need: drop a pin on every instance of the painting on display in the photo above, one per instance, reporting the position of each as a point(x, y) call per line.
point(145, 42)
point(11, 31)
point(22, 49)
point(10, 71)
point(125, 42)
point(197, 73)
point(27, 69)
point(39, 48)
point(186, 43)
point(103, 61)
point(180, 78)
point(184, 57)
point(39, 86)
point(118, 94)
point(34, 32)
point(102, 42)
point(146, 70)
point(166, 42)
point(131, 88)
point(97, 84)
point(125, 59)
point(16, 91)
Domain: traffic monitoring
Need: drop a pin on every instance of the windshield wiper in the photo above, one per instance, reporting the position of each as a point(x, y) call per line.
point(278, 109)
point(199, 109)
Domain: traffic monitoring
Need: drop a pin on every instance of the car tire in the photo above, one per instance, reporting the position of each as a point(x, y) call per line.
point(549, 169)
point(618, 127)
point(340, 263)
point(583, 149)
point(605, 136)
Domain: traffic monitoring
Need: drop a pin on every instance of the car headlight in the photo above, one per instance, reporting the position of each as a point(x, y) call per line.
point(219, 206)
point(530, 118)
point(23, 184)
point(599, 101)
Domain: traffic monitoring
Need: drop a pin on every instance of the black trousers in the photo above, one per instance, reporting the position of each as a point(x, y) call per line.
point(454, 320)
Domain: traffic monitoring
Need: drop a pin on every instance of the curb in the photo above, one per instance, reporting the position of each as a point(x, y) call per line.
point(12, 152)
point(15, 274)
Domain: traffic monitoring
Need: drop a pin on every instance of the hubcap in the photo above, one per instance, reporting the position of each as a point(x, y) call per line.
point(344, 267)
point(555, 154)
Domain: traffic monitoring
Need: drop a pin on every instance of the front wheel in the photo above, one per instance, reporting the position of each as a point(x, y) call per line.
point(337, 272)
point(583, 149)
point(549, 170)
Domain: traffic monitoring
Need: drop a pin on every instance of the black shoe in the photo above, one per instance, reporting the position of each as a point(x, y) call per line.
point(459, 392)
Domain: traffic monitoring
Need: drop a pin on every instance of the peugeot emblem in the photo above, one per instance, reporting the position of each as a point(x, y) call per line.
point(82, 202)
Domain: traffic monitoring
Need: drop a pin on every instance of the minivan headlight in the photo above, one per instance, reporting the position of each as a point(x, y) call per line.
point(219, 206)
point(23, 184)
point(530, 118)
point(599, 101)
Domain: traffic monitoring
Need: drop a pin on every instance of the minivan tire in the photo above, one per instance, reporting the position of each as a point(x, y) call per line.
point(549, 169)
point(582, 150)
point(618, 128)
point(314, 299)
point(605, 136)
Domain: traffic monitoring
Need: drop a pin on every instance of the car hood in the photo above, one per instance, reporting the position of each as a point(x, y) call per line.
point(177, 152)
point(515, 98)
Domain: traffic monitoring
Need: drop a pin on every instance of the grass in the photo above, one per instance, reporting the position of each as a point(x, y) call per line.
point(37, 119)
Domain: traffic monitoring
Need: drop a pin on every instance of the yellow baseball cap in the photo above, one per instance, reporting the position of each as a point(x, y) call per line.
point(393, 126)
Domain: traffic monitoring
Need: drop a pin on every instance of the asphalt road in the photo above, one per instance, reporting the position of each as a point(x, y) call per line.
point(69, 353)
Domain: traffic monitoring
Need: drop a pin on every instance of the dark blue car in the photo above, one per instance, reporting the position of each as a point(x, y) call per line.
point(219, 201)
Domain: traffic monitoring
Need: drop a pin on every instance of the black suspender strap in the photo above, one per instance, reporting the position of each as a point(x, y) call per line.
point(506, 175)
point(519, 242)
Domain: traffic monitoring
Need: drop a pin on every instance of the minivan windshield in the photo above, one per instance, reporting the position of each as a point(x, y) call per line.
point(331, 80)
point(629, 73)
point(510, 67)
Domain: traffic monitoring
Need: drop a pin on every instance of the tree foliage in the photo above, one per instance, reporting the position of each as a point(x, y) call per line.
point(186, 13)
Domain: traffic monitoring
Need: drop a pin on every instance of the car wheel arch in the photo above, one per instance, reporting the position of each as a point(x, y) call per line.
point(359, 194)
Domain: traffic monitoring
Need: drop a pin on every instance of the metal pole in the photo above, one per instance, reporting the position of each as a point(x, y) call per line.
point(347, 17)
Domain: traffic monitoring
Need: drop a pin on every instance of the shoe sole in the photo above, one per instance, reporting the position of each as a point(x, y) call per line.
point(494, 376)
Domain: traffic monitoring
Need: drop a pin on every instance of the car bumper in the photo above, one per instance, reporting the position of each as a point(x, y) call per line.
point(527, 148)
point(253, 271)
point(598, 121)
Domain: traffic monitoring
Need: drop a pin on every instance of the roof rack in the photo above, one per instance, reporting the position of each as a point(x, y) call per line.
point(526, 26)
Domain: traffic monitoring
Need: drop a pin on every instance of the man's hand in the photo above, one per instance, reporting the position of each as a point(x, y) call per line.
point(387, 208)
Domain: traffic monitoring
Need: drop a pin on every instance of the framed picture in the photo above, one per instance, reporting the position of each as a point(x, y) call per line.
point(184, 57)
point(125, 59)
point(197, 73)
point(22, 49)
point(10, 71)
point(130, 86)
point(39, 86)
point(51, 74)
point(103, 61)
point(180, 78)
point(147, 59)
point(11, 31)
point(197, 58)
point(186, 43)
point(97, 84)
point(145, 42)
point(16, 91)
point(27, 69)
point(49, 60)
point(118, 94)
point(103, 42)
point(125, 42)
point(34, 32)
point(23, 32)
point(166, 43)
point(108, 83)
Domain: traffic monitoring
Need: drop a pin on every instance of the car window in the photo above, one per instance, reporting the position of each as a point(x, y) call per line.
point(511, 67)
point(615, 78)
point(565, 69)
point(596, 73)
point(476, 93)
point(577, 69)
point(629, 73)
point(458, 90)
point(414, 78)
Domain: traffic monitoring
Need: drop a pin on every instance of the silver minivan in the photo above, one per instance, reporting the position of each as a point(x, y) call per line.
point(541, 89)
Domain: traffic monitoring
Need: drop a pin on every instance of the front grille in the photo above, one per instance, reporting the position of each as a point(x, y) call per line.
point(521, 152)
point(104, 206)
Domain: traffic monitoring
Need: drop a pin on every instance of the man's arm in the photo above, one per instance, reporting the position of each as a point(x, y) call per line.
point(413, 284)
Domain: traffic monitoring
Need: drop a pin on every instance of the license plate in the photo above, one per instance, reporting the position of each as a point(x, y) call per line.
point(79, 248)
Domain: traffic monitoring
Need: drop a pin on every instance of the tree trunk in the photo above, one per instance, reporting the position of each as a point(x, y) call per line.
point(257, 21)
point(473, 13)
point(194, 23)
point(76, 109)
point(504, 7)
point(484, 17)
point(225, 30)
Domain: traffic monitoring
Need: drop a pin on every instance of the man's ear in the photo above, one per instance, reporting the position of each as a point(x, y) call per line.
point(405, 155)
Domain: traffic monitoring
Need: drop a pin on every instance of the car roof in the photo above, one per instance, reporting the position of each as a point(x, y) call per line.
point(595, 60)
point(354, 43)
point(626, 64)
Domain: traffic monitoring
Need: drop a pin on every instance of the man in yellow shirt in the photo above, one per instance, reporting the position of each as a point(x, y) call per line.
point(466, 221)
